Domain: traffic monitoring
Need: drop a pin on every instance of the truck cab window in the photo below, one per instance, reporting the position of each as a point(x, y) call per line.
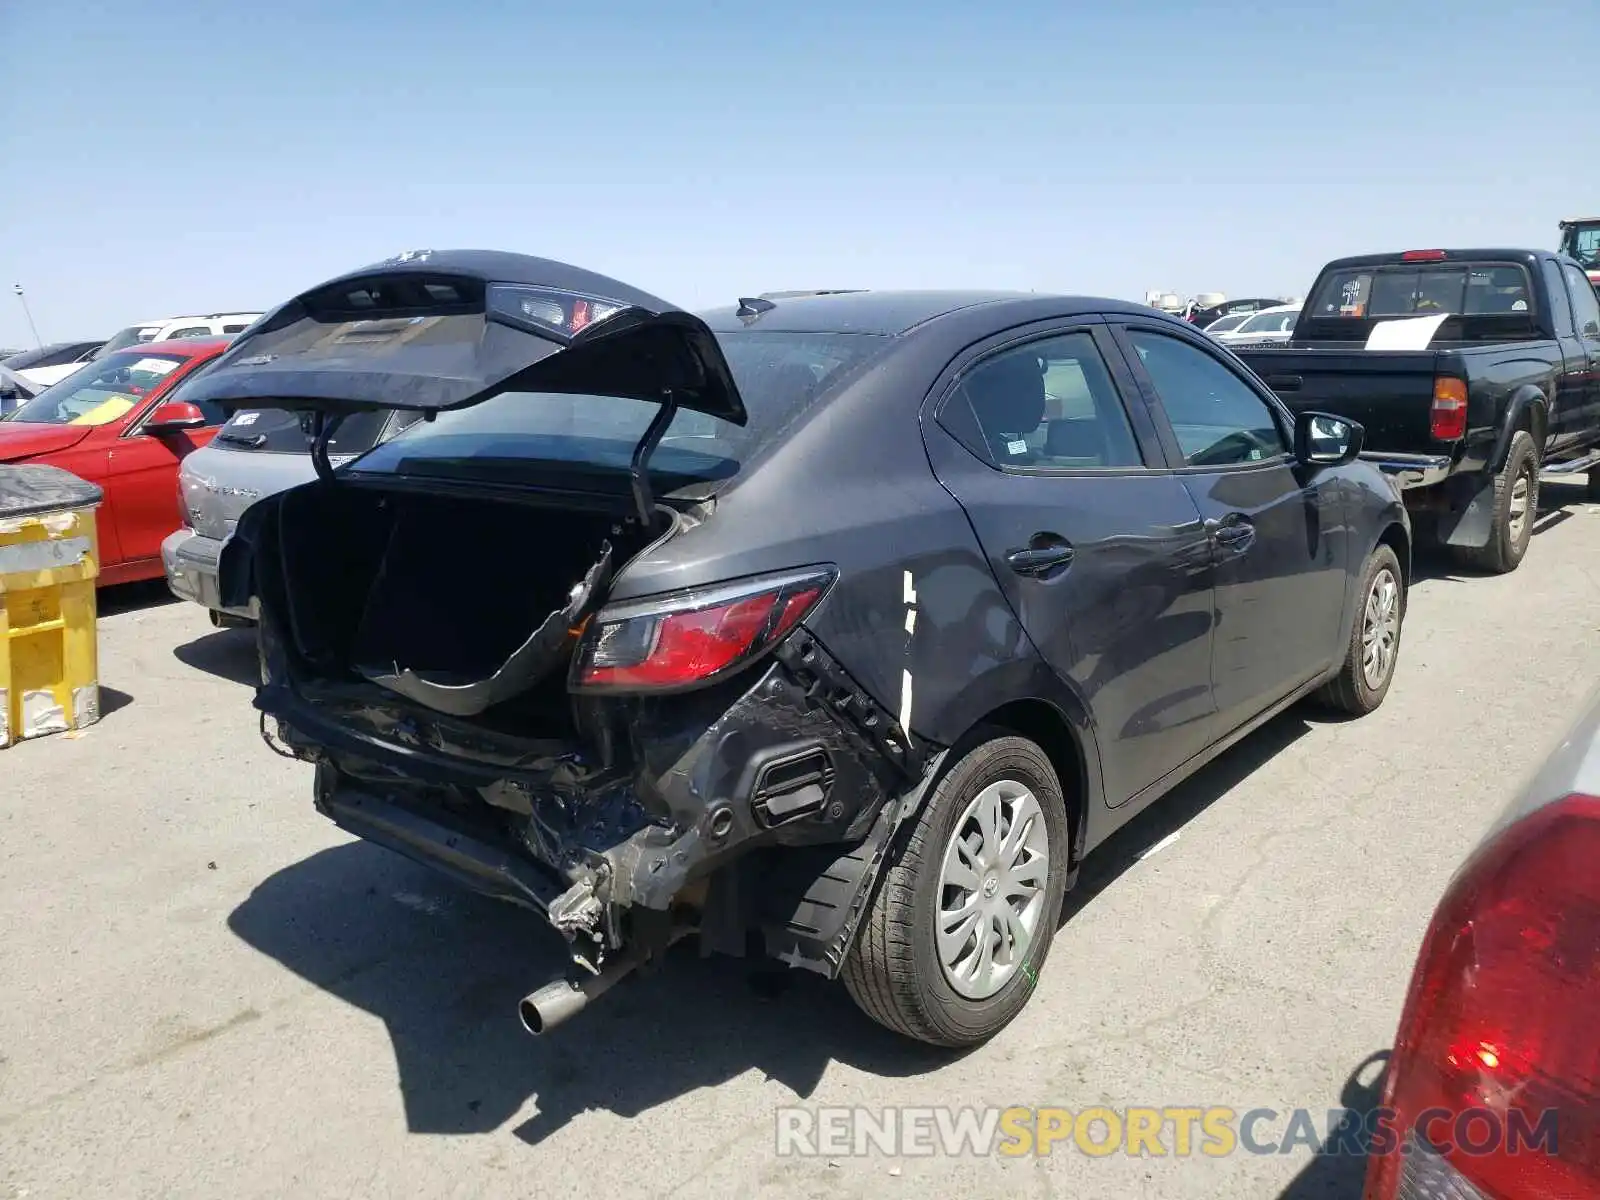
point(1585, 304)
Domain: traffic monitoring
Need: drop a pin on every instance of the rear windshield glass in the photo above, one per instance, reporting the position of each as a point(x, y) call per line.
point(780, 376)
point(1270, 322)
point(275, 431)
point(1423, 289)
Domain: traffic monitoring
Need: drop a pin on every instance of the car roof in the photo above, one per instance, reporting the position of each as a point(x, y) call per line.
point(892, 311)
point(1276, 308)
point(1394, 258)
point(188, 347)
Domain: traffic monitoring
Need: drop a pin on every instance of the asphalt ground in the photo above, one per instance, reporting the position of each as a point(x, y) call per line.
point(207, 990)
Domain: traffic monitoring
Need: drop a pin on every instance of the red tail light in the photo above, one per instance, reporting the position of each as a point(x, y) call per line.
point(1501, 1020)
point(1423, 256)
point(1448, 419)
point(690, 638)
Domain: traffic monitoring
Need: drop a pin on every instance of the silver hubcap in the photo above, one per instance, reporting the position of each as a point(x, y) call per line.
point(1521, 497)
point(992, 889)
point(1380, 628)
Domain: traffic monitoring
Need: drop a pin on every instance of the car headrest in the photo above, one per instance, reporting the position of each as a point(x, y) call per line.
point(1075, 437)
point(1008, 394)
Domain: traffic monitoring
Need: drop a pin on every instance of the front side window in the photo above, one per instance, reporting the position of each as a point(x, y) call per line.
point(190, 332)
point(1560, 308)
point(1217, 418)
point(1048, 404)
point(1583, 243)
point(101, 392)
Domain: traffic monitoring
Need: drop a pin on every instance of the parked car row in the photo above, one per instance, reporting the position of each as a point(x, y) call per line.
point(838, 627)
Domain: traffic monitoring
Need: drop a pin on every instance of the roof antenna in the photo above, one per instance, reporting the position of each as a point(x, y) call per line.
point(754, 306)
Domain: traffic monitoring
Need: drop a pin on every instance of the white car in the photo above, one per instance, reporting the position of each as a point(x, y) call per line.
point(1268, 325)
point(1228, 323)
point(166, 329)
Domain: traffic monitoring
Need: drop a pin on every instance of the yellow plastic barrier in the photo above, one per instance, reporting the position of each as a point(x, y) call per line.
point(49, 565)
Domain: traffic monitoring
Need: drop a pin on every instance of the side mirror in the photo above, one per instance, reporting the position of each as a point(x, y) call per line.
point(173, 417)
point(1324, 440)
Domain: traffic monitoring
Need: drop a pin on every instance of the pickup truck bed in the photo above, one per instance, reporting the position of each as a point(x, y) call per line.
point(1522, 358)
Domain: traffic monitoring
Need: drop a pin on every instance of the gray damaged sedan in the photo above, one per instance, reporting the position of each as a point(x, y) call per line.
point(838, 628)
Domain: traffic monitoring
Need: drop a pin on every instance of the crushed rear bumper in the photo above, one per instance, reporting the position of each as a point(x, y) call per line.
point(768, 808)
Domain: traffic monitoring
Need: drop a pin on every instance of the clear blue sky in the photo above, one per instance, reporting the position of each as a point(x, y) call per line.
point(178, 157)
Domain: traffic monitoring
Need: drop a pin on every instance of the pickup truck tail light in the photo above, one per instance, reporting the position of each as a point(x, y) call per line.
point(1448, 418)
point(1494, 1086)
point(689, 638)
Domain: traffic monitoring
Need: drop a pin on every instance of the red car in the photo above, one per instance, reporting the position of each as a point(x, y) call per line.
point(117, 423)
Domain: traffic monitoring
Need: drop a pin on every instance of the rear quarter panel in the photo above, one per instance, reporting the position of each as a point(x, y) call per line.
point(915, 599)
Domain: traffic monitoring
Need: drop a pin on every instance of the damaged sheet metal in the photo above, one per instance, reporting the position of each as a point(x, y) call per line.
point(26, 558)
point(545, 650)
point(41, 715)
point(85, 705)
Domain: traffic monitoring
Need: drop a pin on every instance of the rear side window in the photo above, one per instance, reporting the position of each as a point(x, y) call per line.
point(1560, 309)
point(190, 331)
point(1046, 405)
point(1585, 304)
point(276, 431)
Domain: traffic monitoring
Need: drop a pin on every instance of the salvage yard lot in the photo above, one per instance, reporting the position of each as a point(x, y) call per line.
point(206, 989)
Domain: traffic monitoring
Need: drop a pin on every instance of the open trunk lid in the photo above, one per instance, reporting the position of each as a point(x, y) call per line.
point(429, 332)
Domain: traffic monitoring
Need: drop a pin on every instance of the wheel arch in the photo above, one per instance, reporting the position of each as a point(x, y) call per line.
point(1044, 724)
point(1529, 412)
point(1394, 536)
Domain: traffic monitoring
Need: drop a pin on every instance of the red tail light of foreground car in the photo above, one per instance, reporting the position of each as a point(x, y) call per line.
point(1494, 1086)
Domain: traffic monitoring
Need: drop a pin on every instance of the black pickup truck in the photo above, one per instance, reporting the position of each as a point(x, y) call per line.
point(1473, 373)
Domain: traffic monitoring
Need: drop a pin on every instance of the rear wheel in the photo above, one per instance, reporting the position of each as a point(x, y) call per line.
point(1516, 503)
point(1364, 677)
point(963, 918)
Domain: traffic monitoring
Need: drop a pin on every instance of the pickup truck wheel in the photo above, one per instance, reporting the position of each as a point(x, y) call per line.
point(964, 915)
point(1516, 503)
point(1364, 677)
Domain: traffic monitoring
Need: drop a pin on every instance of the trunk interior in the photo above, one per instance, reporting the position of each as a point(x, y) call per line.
point(465, 605)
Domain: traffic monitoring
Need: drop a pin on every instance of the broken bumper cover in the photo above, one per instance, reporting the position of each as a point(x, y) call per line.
point(191, 564)
point(775, 815)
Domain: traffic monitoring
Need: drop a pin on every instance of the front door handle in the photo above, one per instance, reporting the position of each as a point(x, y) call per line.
point(1233, 533)
point(1044, 553)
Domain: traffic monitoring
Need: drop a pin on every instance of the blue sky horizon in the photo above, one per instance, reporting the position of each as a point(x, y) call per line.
point(177, 158)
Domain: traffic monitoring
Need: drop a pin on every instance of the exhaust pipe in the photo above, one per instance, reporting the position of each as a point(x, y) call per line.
point(559, 1001)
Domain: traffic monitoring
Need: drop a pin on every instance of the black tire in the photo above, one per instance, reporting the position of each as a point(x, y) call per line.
point(1506, 548)
point(1350, 691)
point(893, 973)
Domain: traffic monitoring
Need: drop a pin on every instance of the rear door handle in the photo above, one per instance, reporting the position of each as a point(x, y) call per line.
point(1044, 553)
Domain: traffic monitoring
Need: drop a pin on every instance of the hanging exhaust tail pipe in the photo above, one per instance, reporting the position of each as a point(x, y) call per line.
point(556, 1002)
